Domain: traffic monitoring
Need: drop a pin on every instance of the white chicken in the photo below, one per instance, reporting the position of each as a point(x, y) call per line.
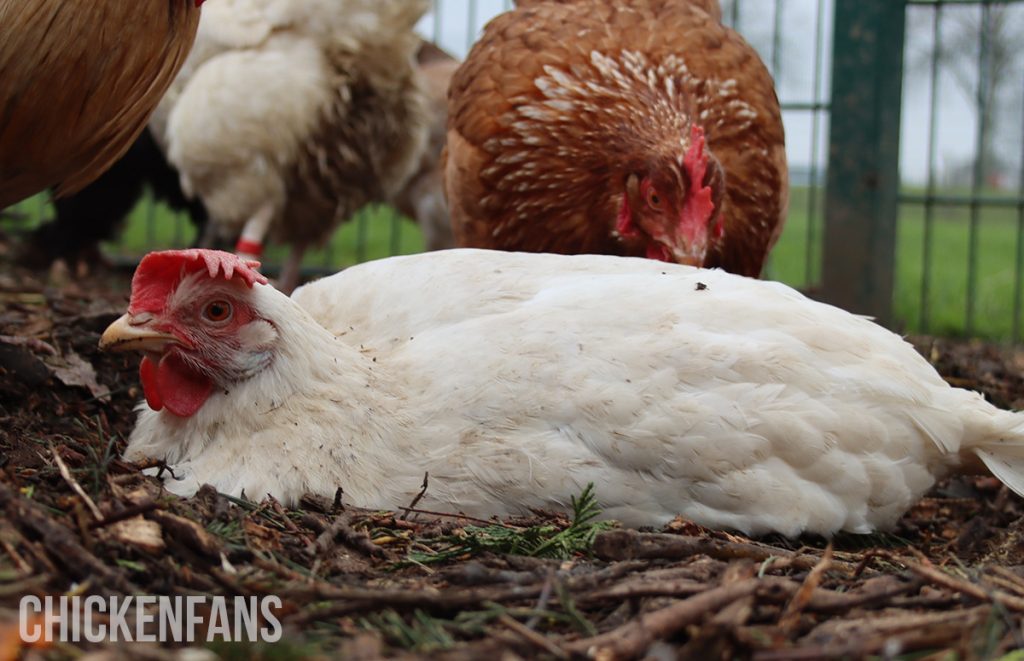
point(516, 379)
point(291, 115)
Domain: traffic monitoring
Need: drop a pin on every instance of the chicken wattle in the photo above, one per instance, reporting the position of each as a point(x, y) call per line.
point(516, 379)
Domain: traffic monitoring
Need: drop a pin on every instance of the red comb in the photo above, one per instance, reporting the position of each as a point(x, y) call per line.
point(159, 273)
point(699, 205)
point(696, 162)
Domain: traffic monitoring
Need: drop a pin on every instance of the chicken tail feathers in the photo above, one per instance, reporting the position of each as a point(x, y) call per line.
point(1004, 453)
point(1008, 467)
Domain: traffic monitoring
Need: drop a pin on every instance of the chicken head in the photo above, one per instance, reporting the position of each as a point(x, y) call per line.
point(673, 207)
point(190, 316)
point(640, 128)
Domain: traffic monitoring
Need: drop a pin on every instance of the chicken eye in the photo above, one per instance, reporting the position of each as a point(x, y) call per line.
point(217, 311)
point(653, 199)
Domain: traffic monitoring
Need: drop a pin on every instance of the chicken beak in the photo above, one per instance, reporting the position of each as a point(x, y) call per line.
point(129, 334)
point(691, 254)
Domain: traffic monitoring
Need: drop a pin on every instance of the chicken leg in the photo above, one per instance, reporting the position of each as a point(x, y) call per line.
point(288, 278)
point(250, 243)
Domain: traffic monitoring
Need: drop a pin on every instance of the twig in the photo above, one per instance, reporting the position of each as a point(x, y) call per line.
point(464, 517)
point(277, 568)
point(645, 588)
point(189, 533)
point(363, 599)
point(568, 604)
point(532, 637)
point(75, 486)
point(288, 523)
point(31, 342)
point(625, 544)
point(791, 615)
point(1006, 579)
point(127, 513)
point(419, 496)
point(449, 599)
point(60, 542)
point(828, 601)
point(937, 577)
point(632, 639)
point(340, 527)
point(542, 601)
point(23, 566)
point(860, 637)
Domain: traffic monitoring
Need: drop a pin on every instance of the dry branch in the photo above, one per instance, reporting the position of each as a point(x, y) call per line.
point(628, 544)
point(632, 639)
point(60, 542)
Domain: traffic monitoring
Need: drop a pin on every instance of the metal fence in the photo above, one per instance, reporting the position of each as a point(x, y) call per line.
point(971, 53)
point(928, 238)
point(907, 200)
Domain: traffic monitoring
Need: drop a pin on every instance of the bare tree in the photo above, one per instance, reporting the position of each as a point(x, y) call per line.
point(982, 50)
point(765, 24)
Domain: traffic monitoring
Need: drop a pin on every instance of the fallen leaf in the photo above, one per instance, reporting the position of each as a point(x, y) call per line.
point(73, 371)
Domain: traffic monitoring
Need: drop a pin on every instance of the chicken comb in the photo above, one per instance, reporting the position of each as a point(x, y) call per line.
point(699, 205)
point(159, 273)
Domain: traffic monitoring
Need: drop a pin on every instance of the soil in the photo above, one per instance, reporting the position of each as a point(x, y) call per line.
point(78, 519)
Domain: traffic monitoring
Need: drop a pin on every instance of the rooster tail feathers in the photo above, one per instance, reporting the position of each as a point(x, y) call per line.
point(1004, 454)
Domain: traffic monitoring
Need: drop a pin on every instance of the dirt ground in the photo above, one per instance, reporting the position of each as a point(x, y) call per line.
point(947, 583)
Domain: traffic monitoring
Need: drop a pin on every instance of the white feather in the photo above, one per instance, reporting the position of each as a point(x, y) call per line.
point(517, 379)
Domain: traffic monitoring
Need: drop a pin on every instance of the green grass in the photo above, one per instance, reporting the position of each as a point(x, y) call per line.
point(795, 260)
point(944, 309)
point(375, 232)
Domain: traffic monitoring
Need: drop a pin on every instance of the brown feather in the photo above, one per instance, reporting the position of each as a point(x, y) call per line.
point(79, 82)
point(365, 149)
point(560, 98)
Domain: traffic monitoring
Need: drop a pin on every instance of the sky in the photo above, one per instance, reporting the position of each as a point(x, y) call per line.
point(801, 65)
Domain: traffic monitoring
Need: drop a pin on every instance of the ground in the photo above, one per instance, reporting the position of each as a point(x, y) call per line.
point(948, 583)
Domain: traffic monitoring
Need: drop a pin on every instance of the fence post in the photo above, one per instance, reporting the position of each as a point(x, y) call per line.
point(862, 191)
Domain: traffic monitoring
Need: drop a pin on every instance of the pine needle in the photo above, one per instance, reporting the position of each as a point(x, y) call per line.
point(542, 541)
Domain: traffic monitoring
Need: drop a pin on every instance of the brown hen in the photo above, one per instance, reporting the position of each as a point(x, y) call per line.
point(79, 82)
point(636, 127)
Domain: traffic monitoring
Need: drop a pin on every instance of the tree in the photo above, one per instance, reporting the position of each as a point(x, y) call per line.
point(981, 49)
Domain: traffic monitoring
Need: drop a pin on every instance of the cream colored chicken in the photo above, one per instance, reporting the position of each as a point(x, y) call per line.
point(291, 115)
point(516, 379)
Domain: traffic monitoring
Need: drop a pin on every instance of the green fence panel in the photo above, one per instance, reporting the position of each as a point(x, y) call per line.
point(863, 173)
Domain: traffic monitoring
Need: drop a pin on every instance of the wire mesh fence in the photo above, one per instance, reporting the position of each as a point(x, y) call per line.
point(962, 203)
point(958, 249)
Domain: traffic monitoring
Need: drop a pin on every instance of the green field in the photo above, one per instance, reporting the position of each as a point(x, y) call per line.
point(373, 234)
point(945, 306)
